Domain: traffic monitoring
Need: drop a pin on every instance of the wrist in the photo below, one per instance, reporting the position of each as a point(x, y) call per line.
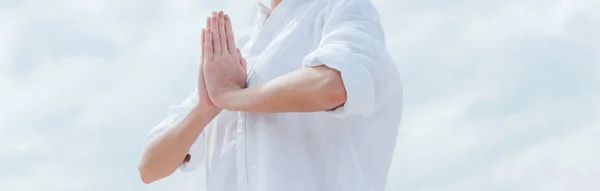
point(207, 109)
point(231, 99)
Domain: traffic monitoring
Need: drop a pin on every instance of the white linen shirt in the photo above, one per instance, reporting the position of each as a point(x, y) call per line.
point(349, 148)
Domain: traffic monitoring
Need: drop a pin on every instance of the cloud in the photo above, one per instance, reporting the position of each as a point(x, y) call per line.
point(487, 86)
point(499, 95)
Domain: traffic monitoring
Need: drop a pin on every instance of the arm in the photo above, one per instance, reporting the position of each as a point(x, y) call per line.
point(345, 72)
point(309, 89)
point(168, 150)
point(182, 143)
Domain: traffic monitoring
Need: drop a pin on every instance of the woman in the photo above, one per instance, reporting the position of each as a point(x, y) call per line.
point(309, 100)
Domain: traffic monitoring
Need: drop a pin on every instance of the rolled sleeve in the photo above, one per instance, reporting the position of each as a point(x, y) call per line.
point(176, 113)
point(353, 44)
point(358, 82)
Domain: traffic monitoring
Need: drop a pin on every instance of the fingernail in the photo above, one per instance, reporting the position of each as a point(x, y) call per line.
point(226, 17)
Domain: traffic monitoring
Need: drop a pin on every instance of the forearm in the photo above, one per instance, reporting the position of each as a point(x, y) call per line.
point(308, 89)
point(165, 152)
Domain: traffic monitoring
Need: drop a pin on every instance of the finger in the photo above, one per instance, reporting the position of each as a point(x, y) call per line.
point(242, 60)
point(223, 34)
point(204, 31)
point(230, 37)
point(208, 47)
point(207, 22)
point(216, 42)
point(213, 24)
point(202, 44)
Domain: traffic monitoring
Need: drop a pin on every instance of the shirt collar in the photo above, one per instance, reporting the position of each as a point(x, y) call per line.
point(264, 9)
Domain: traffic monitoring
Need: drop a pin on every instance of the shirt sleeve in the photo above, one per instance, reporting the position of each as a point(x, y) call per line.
point(353, 43)
point(176, 113)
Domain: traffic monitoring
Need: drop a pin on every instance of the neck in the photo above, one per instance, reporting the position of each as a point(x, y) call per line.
point(274, 3)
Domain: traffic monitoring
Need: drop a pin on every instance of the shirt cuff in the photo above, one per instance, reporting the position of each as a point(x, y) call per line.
point(358, 82)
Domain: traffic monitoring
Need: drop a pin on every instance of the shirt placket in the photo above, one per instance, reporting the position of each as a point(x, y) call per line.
point(262, 41)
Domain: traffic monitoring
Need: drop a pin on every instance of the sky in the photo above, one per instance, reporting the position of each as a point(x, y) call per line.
point(498, 95)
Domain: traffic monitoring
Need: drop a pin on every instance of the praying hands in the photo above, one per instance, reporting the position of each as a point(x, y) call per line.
point(223, 68)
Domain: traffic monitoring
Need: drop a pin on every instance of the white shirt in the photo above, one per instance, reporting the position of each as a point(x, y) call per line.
point(347, 149)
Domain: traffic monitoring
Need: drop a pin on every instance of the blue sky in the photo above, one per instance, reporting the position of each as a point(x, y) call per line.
point(499, 95)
